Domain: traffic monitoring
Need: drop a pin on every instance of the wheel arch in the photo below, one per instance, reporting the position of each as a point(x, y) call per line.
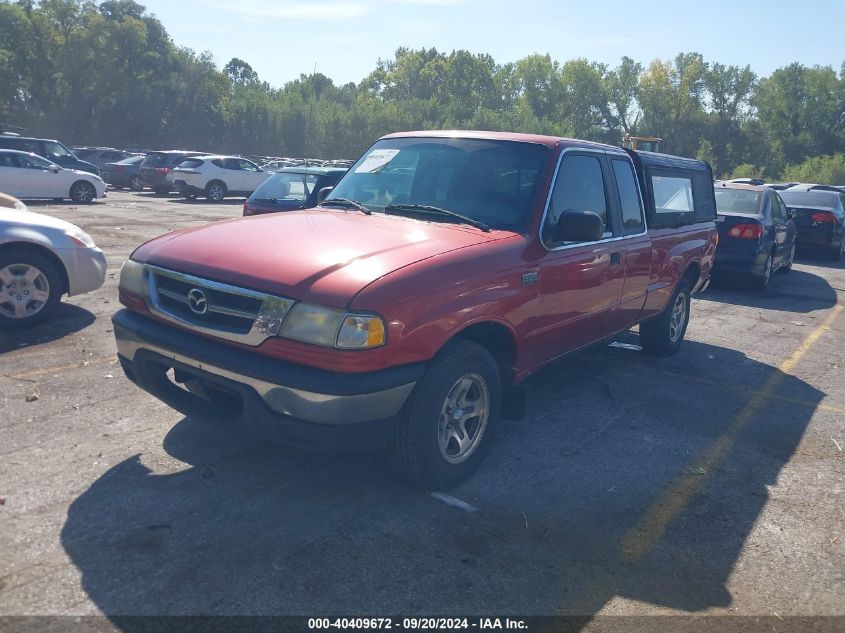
point(44, 252)
point(82, 181)
point(217, 180)
point(692, 273)
point(498, 339)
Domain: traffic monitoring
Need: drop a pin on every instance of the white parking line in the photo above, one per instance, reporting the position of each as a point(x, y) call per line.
point(452, 501)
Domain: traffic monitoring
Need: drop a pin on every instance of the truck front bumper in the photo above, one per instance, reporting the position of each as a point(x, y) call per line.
point(294, 403)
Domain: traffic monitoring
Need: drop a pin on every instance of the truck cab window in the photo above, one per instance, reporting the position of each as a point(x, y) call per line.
point(629, 199)
point(579, 187)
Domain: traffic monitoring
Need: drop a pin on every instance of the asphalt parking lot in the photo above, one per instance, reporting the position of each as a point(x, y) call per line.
point(709, 483)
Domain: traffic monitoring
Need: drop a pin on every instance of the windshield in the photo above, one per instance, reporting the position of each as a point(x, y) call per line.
point(287, 188)
point(809, 198)
point(490, 181)
point(56, 150)
point(738, 201)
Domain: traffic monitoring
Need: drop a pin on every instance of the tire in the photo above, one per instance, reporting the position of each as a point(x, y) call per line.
point(27, 274)
point(761, 282)
point(83, 192)
point(663, 336)
point(837, 253)
point(787, 267)
point(136, 183)
point(215, 191)
point(425, 447)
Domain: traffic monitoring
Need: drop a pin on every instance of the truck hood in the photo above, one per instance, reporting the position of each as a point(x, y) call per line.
point(322, 256)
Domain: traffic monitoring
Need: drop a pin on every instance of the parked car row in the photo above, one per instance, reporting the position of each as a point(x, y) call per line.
point(761, 228)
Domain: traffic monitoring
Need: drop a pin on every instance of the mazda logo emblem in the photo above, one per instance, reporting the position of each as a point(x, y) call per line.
point(197, 301)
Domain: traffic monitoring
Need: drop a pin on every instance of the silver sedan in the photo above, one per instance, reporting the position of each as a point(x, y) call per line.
point(41, 259)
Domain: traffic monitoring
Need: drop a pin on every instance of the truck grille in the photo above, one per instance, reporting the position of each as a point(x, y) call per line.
point(230, 312)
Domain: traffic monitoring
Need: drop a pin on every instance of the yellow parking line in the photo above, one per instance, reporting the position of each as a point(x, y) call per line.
point(36, 373)
point(651, 527)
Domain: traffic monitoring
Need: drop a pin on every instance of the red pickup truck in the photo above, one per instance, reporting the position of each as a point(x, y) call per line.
point(405, 310)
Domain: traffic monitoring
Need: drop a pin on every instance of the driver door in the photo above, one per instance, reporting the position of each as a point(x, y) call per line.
point(580, 283)
point(39, 181)
point(10, 181)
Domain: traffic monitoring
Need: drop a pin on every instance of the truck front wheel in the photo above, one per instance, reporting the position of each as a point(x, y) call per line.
point(663, 336)
point(448, 423)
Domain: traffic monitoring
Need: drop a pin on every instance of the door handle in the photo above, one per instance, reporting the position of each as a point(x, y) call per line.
point(615, 259)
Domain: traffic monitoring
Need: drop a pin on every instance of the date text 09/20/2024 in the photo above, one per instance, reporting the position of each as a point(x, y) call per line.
point(417, 623)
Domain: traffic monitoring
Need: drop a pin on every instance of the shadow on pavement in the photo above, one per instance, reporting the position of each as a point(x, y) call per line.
point(67, 319)
point(796, 291)
point(231, 525)
point(820, 259)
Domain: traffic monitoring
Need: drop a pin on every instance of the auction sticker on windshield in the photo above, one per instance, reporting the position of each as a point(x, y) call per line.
point(376, 159)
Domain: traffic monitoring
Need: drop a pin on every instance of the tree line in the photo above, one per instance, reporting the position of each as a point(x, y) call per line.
point(108, 73)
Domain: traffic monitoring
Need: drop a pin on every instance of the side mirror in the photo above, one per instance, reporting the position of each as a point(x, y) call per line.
point(54, 168)
point(322, 193)
point(579, 226)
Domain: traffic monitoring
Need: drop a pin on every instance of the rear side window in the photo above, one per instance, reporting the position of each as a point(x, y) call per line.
point(674, 198)
point(671, 194)
point(629, 199)
point(7, 160)
point(579, 187)
point(191, 163)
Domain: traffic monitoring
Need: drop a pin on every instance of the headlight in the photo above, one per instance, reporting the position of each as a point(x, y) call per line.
point(312, 324)
point(332, 328)
point(132, 277)
point(80, 237)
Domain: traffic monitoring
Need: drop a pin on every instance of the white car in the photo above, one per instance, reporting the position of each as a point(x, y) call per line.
point(216, 177)
point(25, 175)
point(42, 258)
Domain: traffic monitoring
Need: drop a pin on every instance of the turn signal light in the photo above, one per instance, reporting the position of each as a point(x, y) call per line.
point(746, 231)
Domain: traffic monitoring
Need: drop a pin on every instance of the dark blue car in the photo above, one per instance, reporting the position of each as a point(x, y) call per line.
point(757, 235)
point(819, 217)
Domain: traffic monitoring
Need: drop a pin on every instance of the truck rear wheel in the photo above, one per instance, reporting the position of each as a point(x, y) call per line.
point(448, 423)
point(663, 336)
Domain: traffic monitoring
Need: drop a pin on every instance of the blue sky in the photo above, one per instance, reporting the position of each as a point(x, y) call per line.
point(344, 39)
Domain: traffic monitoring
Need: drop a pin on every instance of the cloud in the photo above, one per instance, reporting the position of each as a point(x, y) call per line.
point(297, 10)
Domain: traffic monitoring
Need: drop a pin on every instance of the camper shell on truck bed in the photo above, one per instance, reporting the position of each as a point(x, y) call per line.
point(404, 312)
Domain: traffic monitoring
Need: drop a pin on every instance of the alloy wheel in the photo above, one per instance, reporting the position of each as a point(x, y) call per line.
point(84, 192)
point(463, 418)
point(24, 291)
point(678, 318)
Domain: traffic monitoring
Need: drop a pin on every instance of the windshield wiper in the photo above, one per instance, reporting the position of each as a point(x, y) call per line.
point(427, 208)
point(347, 203)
